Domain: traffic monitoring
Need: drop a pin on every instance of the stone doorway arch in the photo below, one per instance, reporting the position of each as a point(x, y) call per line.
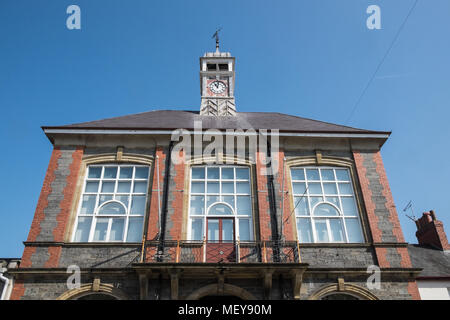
point(215, 290)
point(109, 292)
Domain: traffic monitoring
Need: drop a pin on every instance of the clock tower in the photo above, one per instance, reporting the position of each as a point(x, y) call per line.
point(217, 83)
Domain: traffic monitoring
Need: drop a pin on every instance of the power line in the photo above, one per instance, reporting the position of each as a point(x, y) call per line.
point(381, 62)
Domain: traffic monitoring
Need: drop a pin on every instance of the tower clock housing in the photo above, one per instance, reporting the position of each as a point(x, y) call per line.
point(217, 78)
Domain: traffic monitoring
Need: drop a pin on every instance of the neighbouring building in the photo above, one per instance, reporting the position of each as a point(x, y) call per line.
point(7, 280)
point(302, 216)
point(432, 254)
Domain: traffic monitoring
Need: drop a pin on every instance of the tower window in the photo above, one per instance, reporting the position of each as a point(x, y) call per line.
point(211, 67)
point(223, 67)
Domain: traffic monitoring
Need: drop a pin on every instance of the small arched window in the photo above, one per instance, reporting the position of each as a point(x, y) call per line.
point(220, 209)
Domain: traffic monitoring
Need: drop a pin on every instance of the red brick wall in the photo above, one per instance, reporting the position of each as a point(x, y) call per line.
point(177, 203)
point(153, 221)
point(45, 192)
point(287, 219)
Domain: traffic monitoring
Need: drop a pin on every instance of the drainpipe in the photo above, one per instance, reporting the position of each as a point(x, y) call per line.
point(165, 201)
point(273, 208)
point(6, 286)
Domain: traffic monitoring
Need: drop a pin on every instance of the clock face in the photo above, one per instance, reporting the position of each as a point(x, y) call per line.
point(217, 87)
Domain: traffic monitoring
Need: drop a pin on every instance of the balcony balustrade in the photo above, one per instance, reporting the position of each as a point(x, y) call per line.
point(188, 251)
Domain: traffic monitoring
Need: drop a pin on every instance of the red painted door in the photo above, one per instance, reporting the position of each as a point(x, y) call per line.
point(220, 246)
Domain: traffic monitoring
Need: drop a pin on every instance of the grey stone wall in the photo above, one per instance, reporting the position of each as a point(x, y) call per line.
point(99, 256)
point(338, 257)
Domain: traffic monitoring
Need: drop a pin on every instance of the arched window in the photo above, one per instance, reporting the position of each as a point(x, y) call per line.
point(325, 205)
point(113, 203)
point(220, 191)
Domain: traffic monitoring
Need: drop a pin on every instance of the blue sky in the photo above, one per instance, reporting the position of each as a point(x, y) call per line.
point(308, 58)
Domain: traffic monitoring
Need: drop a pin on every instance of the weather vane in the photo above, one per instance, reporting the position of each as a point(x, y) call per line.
point(216, 35)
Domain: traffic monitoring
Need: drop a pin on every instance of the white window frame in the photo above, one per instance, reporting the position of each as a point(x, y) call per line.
point(341, 216)
point(127, 216)
point(237, 217)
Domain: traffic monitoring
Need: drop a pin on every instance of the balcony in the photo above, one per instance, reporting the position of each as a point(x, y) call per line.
point(223, 252)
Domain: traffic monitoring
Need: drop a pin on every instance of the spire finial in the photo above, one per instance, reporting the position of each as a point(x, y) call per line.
point(216, 35)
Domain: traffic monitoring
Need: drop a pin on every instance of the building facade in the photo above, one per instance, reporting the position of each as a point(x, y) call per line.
point(215, 204)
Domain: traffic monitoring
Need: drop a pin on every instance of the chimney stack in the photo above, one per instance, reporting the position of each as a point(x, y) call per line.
point(430, 231)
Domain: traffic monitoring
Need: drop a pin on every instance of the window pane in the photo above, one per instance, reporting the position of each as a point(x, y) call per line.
point(337, 233)
point(140, 187)
point(325, 209)
point(244, 205)
point(345, 188)
point(314, 200)
point(349, 206)
point(108, 187)
point(314, 188)
point(91, 186)
point(298, 174)
point(138, 205)
point(83, 228)
point(110, 173)
point(227, 230)
point(100, 229)
point(227, 187)
point(141, 173)
point(95, 172)
point(198, 187)
point(227, 173)
point(304, 230)
point(213, 230)
point(112, 208)
point(321, 230)
point(211, 199)
point(123, 199)
point(242, 173)
point(213, 187)
point(243, 187)
point(197, 229)
point(327, 174)
point(124, 187)
point(103, 199)
point(229, 200)
point(301, 204)
point(198, 173)
point(88, 205)
point(312, 174)
point(213, 173)
point(126, 173)
point(333, 200)
point(244, 230)
point(354, 232)
point(134, 230)
point(330, 188)
point(197, 205)
point(117, 227)
point(342, 175)
point(299, 188)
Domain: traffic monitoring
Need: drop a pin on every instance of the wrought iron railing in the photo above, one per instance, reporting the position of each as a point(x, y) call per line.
point(188, 251)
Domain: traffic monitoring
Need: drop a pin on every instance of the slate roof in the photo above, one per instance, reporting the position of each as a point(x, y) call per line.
point(435, 263)
point(174, 119)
